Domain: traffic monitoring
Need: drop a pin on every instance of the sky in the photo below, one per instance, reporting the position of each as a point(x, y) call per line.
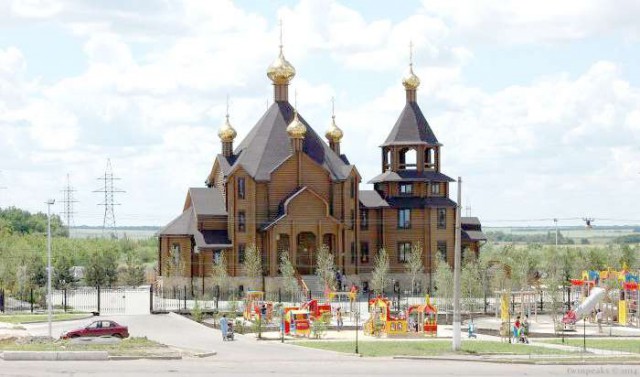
point(537, 103)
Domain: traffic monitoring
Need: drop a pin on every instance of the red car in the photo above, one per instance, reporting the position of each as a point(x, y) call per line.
point(99, 328)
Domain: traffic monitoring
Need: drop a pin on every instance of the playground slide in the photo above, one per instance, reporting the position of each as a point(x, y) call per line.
point(586, 307)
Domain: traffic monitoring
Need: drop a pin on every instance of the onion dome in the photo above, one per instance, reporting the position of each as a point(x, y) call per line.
point(281, 72)
point(410, 81)
point(227, 133)
point(296, 129)
point(334, 133)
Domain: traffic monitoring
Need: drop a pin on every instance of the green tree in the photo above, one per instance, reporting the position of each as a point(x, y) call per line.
point(132, 273)
point(415, 265)
point(471, 280)
point(219, 273)
point(325, 267)
point(102, 269)
point(380, 274)
point(62, 276)
point(443, 280)
point(253, 265)
point(289, 281)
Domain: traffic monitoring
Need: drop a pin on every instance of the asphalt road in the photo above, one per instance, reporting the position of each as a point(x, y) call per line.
point(248, 357)
point(342, 367)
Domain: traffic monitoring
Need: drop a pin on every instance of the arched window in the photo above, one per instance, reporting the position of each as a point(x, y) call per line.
point(430, 158)
point(386, 158)
point(408, 158)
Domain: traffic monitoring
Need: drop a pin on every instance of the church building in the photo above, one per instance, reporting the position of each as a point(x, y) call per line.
point(285, 189)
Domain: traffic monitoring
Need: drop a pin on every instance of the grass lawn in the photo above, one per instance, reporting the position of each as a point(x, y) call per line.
point(28, 318)
point(428, 348)
point(623, 345)
point(126, 347)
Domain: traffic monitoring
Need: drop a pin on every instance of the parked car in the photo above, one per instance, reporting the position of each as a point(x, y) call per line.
point(99, 328)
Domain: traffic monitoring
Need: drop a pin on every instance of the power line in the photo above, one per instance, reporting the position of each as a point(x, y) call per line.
point(67, 201)
point(109, 191)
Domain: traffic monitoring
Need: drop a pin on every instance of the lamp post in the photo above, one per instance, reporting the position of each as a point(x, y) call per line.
point(456, 341)
point(357, 318)
point(49, 202)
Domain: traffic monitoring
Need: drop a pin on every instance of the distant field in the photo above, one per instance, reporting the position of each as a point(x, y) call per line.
point(595, 235)
point(136, 234)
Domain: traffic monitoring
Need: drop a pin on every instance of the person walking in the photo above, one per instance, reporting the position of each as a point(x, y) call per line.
point(339, 319)
point(599, 320)
point(224, 326)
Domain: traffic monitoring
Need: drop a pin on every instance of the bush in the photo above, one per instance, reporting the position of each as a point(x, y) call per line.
point(319, 326)
point(196, 312)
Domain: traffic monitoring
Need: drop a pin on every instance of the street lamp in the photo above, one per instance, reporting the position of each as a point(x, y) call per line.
point(49, 202)
point(456, 341)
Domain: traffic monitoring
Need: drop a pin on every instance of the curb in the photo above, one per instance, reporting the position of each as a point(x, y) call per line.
point(519, 361)
point(123, 358)
point(55, 355)
point(205, 354)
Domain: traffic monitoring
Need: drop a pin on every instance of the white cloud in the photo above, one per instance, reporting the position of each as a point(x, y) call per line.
point(522, 22)
point(153, 93)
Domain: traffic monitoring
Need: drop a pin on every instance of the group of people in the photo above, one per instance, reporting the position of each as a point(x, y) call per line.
point(521, 330)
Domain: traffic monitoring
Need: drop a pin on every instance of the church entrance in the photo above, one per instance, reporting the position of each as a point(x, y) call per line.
point(306, 253)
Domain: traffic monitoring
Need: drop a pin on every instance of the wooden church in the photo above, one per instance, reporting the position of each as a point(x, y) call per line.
point(285, 189)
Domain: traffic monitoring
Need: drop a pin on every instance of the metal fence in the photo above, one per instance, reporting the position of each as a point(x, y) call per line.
point(120, 300)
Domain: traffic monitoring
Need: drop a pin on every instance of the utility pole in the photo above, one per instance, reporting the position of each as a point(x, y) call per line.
point(67, 201)
point(109, 191)
point(49, 202)
point(456, 273)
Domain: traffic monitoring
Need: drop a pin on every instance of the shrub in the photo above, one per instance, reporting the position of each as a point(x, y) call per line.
point(196, 312)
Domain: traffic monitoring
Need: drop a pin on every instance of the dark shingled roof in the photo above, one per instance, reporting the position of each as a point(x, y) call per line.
point(417, 202)
point(411, 128)
point(411, 176)
point(185, 225)
point(371, 199)
point(207, 201)
point(267, 145)
point(180, 226)
point(473, 235)
point(214, 238)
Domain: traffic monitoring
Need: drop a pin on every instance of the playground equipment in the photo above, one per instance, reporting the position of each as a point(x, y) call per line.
point(425, 318)
point(297, 322)
point(381, 320)
point(317, 310)
point(594, 286)
point(254, 304)
point(586, 307)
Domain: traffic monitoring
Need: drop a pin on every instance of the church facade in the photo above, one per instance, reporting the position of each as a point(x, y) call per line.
point(285, 189)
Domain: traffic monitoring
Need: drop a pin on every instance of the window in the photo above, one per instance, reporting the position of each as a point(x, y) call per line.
point(241, 188)
point(364, 219)
point(352, 220)
point(442, 250)
point(352, 190)
point(353, 252)
point(175, 253)
point(364, 252)
point(435, 189)
point(242, 226)
point(241, 248)
point(404, 250)
point(404, 218)
point(406, 189)
point(442, 218)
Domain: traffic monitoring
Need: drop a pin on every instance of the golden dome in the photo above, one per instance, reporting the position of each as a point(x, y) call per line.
point(227, 133)
point(334, 133)
point(410, 81)
point(281, 72)
point(296, 129)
